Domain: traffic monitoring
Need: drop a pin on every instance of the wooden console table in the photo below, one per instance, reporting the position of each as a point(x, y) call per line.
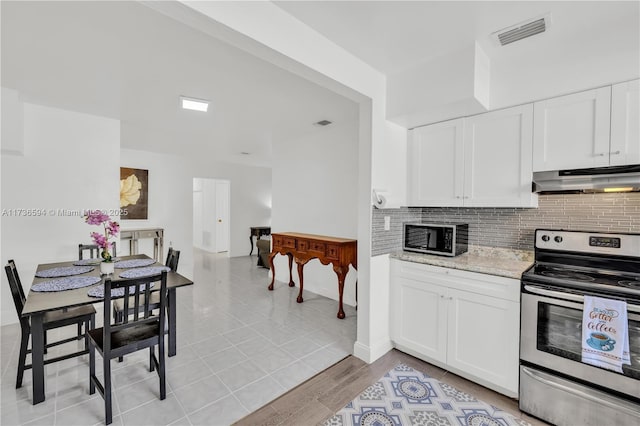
point(340, 252)
point(258, 231)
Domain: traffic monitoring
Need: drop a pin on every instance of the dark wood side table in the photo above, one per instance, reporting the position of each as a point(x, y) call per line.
point(258, 231)
point(340, 252)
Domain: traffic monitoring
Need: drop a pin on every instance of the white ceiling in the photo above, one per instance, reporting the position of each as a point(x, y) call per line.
point(127, 61)
point(396, 35)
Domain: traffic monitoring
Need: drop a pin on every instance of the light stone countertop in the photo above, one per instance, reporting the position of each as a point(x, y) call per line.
point(502, 262)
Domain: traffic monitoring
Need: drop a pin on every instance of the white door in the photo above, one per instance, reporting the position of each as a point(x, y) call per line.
point(435, 165)
point(197, 214)
point(572, 132)
point(419, 318)
point(497, 151)
point(625, 123)
point(222, 215)
point(483, 338)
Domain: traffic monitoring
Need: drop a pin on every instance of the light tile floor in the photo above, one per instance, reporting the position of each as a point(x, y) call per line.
point(239, 347)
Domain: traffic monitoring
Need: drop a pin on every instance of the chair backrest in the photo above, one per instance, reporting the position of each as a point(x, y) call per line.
point(173, 257)
point(137, 292)
point(17, 292)
point(91, 247)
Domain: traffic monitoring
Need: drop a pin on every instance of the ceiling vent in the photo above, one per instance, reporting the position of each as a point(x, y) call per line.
point(522, 30)
point(322, 123)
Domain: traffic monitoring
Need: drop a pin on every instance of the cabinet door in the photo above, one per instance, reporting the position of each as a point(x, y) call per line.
point(483, 338)
point(497, 151)
point(419, 317)
point(572, 132)
point(625, 123)
point(435, 165)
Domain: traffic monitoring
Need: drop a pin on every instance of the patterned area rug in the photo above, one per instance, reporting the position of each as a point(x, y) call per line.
point(407, 397)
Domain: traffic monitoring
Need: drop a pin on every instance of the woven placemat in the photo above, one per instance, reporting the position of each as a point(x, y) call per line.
point(64, 271)
point(66, 283)
point(86, 262)
point(143, 272)
point(134, 263)
point(94, 261)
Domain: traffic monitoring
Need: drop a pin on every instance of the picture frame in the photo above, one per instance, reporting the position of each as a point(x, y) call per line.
point(134, 193)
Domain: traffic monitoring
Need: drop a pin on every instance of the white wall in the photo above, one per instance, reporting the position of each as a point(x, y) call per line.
point(527, 79)
point(267, 31)
point(315, 185)
point(250, 198)
point(12, 122)
point(170, 202)
point(70, 162)
point(171, 199)
point(439, 88)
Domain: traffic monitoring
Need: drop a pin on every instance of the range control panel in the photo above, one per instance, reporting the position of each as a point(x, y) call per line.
point(589, 242)
point(604, 242)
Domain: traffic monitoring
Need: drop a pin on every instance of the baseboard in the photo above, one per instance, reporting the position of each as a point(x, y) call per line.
point(371, 353)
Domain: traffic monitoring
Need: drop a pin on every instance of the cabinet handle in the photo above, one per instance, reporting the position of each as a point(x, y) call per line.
point(602, 154)
point(615, 153)
point(457, 196)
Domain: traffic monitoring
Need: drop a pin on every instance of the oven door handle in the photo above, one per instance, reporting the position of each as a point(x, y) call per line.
point(568, 296)
point(596, 397)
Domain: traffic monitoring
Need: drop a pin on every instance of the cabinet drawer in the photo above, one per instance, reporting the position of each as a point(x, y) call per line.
point(303, 245)
point(284, 242)
point(318, 247)
point(333, 252)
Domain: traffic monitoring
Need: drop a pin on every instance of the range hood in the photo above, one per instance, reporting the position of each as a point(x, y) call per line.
point(600, 179)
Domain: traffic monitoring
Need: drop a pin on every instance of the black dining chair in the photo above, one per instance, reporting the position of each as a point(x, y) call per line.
point(139, 331)
point(83, 315)
point(173, 257)
point(93, 249)
point(82, 248)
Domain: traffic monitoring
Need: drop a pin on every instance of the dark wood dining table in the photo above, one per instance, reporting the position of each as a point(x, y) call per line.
point(38, 303)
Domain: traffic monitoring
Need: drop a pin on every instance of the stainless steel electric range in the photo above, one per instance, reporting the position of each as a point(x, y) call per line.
point(555, 385)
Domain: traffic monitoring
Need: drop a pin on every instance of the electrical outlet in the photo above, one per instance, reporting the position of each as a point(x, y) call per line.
point(387, 223)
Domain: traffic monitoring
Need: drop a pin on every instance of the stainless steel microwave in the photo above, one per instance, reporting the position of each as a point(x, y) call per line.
point(432, 238)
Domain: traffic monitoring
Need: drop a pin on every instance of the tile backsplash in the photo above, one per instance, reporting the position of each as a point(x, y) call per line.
point(514, 227)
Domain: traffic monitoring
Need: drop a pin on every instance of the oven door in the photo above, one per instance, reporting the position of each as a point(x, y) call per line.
point(551, 336)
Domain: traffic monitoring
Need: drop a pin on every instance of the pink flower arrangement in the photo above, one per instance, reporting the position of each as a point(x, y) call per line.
point(111, 229)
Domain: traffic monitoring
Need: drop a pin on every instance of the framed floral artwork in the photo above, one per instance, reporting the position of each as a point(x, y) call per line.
point(134, 193)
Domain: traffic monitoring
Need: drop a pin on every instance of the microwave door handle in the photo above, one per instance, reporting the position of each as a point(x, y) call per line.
point(569, 296)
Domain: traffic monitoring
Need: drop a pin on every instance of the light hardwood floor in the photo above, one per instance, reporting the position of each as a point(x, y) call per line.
point(326, 393)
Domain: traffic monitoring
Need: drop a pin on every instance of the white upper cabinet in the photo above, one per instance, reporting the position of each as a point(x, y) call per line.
point(497, 154)
point(625, 123)
point(572, 132)
point(595, 128)
point(435, 160)
point(480, 161)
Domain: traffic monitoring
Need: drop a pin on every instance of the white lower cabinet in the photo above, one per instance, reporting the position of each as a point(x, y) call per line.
point(464, 322)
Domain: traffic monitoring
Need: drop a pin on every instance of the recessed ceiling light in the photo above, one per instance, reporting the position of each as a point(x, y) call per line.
point(194, 104)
